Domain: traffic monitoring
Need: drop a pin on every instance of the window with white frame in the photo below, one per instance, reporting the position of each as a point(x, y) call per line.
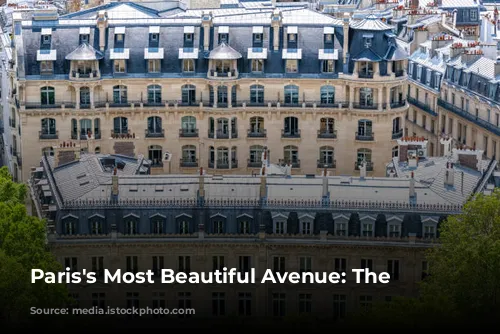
point(429, 231)
point(279, 227)
point(394, 230)
point(328, 66)
point(119, 65)
point(410, 68)
point(306, 227)
point(341, 229)
point(188, 65)
point(419, 72)
point(154, 65)
point(367, 229)
point(257, 65)
point(428, 77)
point(292, 66)
point(46, 67)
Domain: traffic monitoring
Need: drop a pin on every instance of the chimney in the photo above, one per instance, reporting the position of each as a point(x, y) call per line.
point(276, 20)
point(263, 187)
point(346, 37)
point(497, 67)
point(102, 25)
point(207, 25)
point(201, 184)
point(449, 178)
point(362, 170)
point(325, 192)
point(454, 23)
point(114, 184)
point(65, 153)
point(443, 18)
point(412, 186)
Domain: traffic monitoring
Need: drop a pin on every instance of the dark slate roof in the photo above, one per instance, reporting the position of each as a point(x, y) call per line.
point(371, 22)
point(85, 52)
point(367, 55)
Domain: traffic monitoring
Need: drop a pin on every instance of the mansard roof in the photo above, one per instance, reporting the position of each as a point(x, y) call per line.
point(371, 22)
point(85, 52)
point(224, 52)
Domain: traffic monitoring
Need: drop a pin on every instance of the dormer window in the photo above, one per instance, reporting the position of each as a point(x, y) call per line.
point(84, 35)
point(428, 77)
point(84, 39)
point(292, 36)
point(257, 37)
point(223, 34)
point(154, 37)
point(188, 37)
point(367, 40)
point(328, 38)
point(119, 37)
point(46, 67)
point(46, 39)
point(419, 72)
point(223, 38)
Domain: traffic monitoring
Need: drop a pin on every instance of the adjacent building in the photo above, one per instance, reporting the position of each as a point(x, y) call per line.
point(108, 211)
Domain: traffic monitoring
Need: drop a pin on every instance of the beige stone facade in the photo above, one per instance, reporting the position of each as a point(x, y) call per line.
point(345, 115)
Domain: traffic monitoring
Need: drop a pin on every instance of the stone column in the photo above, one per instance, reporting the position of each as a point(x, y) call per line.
point(380, 98)
point(229, 95)
point(468, 133)
point(351, 96)
point(92, 91)
point(216, 95)
point(77, 93)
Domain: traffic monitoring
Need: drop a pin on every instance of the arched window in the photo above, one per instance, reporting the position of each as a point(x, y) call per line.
point(326, 157)
point(154, 94)
point(256, 152)
point(188, 94)
point(327, 94)
point(154, 127)
point(48, 129)
point(47, 96)
point(256, 94)
point(155, 155)
point(291, 154)
point(48, 151)
point(291, 127)
point(364, 155)
point(84, 97)
point(188, 126)
point(120, 94)
point(157, 224)
point(189, 156)
point(85, 129)
point(291, 94)
point(120, 125)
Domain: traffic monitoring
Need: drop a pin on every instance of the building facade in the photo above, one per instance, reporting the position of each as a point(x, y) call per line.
point(108, 212)
point(211, 90)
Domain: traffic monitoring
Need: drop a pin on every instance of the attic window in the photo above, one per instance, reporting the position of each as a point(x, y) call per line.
point(46, 39)
point(154, 37)
point(84, 39)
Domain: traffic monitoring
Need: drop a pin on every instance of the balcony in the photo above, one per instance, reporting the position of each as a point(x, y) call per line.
point(399, 73)
point(223, 164)
point(326, 164)
point(93, 75)
point(398, 104)
point(121, 104)
point(186, 162)
point(470, 117)
point(152, 103)
point(368, 106)
point(154, 133)
point(221, 134)
point(370, 136)
point(290, 134)
point(48, 136)
point(295, 163)
point(188, 133)
point(213, 74)
point(87, 136)
point(398, 134)
point(369, 166)
point(365, 75)
point(58, 105)
point(259, 133)
point(327, 134)
point(254, 164)
point(124, 134)
point(425, 107)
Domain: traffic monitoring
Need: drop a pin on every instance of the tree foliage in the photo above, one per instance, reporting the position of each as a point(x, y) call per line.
point(22, 248)
point(463, 286)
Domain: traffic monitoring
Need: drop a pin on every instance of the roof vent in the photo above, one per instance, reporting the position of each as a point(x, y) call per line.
point(84, 183)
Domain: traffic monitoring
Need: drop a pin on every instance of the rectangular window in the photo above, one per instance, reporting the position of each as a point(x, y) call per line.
point(46, 67)
point(154, 65)
point(292, 66)
point(158, 265)
point(119, 65)
point(184, 264)
point(279, 304)
point(99, 300)
point(365, 302)
point(244, 264)
point(339, 306)
point(218, 262)
point(244, 304)
point(218, 303)
point(305, 264)
point(340, 265)
point(71, 263)
point(305, 303)
point(279, 264)
point(98, 266)
point(184, 301)
point(393, 269)
point(132, 265)
point(159, 302)
point(425, 269)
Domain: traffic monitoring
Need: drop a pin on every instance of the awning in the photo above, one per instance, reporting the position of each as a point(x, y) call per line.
point(257, 53)
point(329, 30)
point(328, 54)
point(153, 53)
point(119, 54)
point(50, 55)
point(85, 31)
point(120, 30)
point(154, 29)
point(188, 53)
point(292, 54)
point(223, 30)
point(292, 30)
point(189, 30)
point(46, 31)
point(258, 30)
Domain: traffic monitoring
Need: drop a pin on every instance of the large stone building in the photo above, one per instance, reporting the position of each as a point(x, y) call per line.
point(210, 88)
point(106, 211)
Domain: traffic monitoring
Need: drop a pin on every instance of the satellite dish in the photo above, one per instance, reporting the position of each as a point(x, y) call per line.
point(167, 156)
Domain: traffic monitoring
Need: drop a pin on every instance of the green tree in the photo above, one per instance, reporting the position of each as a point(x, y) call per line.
point(463, 286)
point(22, 248)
